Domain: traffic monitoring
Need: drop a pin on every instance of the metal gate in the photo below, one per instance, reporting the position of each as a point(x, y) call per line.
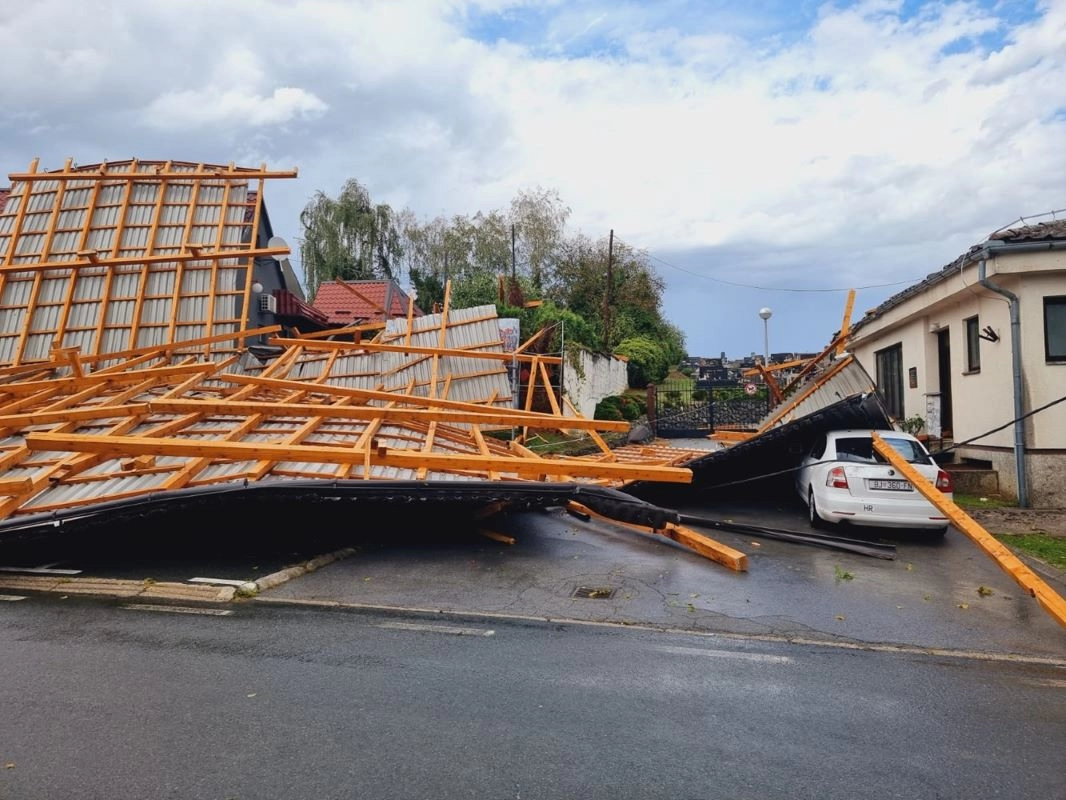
point(688, 409)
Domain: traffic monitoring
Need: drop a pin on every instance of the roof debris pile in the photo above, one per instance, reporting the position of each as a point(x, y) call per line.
point(125, 371)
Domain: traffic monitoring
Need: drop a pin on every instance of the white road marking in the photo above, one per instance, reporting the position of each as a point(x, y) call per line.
point(11, 598)
point(447, 629)
point(219, 581)
point(210, 612)
point(42, 570)
point(700, 651)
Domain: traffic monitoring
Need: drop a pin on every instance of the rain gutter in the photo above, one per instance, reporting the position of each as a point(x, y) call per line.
point(981, 256)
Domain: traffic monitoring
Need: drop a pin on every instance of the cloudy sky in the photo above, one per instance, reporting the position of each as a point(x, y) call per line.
point(758, 151)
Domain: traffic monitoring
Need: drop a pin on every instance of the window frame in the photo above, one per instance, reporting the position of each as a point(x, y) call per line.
point(1057, 301)
point(972, 328)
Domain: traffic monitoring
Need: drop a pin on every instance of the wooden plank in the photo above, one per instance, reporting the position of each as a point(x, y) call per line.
point(550, 390)
point(812, 365)
point(400, 398)
point(697, 542)
point(487, 416)
point(707, 547)
point(845, 324)
point(212, 296)
point(375, 347)
point(1051, 600)
point(211, 172)
point(166, 258)
point(382, 456)
point(97, 379)
point(46, 245)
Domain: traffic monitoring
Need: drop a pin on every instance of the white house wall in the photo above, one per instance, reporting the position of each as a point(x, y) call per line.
point(983, 399)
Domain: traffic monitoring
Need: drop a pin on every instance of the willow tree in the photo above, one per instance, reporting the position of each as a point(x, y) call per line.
point(348, 237)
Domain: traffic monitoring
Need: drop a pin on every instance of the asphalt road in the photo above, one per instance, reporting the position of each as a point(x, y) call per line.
point(103, 701)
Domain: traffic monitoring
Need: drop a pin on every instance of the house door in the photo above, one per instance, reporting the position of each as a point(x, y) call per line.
point(943, 351)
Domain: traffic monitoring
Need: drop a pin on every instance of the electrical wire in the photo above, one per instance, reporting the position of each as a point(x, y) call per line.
point(1005, 425)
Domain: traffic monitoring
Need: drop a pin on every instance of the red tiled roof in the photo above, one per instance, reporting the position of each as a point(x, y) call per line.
point(4, 192)
point(344, 307)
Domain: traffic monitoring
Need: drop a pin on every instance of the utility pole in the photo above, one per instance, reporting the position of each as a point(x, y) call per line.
point(607, 295)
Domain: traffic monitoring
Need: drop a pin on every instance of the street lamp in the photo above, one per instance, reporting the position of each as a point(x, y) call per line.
point(766, 313)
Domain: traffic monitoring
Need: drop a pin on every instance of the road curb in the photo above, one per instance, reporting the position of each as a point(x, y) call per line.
point(651, 628)
point(110, 587)
point(287, 574)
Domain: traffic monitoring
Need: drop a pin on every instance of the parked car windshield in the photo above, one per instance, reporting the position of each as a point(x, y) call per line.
point(861, 449)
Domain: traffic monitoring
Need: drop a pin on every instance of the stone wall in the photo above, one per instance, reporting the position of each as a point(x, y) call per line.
point(592, 379)
point(1046, 472)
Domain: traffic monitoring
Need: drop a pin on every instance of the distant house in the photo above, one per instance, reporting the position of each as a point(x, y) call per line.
point(977, 345)
point(359, 302)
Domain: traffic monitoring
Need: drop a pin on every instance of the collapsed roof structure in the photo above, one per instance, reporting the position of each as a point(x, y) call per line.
point(140, 363)
point(156, 349)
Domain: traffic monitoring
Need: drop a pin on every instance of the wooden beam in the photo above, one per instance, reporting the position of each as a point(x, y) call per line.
point(166, 258)
point(486, 415)
point(402, 398)
point(703, 545)
point(320, 454)
point(845, 324)
point(1051, 600)
point(138, 306)
point(812, 365)
point(212, 296)
point(374, 347)
point(96, 379)
point(211, 172)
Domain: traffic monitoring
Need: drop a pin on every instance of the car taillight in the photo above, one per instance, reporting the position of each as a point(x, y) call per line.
point(943, 482)
point(836, 478)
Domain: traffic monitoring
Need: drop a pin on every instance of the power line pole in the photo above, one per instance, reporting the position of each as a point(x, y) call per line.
point(607, 295)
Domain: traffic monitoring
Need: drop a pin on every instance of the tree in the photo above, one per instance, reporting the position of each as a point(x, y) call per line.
point(348, 237)
point(647, 360)
point(539, 218)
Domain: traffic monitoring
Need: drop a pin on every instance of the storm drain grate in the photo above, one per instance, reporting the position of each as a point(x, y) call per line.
point(594, 592)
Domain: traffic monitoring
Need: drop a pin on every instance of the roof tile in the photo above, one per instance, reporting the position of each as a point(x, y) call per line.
point(344, 306)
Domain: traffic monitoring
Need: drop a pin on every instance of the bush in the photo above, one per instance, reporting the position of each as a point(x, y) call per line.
point(630, 408)
point(648, 361)
point(608, 408)
point(700, 395)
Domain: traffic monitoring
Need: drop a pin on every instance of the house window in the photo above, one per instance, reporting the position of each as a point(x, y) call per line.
point(973, 345)
point(1055, 328)
point(890, 378)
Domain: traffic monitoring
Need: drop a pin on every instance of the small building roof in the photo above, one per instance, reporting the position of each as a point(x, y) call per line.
point(350, 302)
point(1048, 231)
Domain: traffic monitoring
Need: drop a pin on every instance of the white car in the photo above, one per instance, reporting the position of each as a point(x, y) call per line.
point(842, 478)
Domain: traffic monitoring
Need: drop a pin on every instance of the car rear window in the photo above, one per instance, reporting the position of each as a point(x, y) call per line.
point(861, 449)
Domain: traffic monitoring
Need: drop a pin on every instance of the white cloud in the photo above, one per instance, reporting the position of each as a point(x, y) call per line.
point(191, 108)
point(866, 141)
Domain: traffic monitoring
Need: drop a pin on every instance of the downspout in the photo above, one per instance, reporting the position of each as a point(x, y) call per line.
point(1016, 363)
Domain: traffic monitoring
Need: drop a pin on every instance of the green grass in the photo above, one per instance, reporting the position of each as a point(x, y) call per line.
point(982, 501)
point(1050, 549)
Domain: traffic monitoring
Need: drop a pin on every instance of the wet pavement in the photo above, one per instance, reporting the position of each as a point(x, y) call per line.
point(935, 594)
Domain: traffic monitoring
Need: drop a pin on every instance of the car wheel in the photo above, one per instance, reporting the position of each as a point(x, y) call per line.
point(812, 511)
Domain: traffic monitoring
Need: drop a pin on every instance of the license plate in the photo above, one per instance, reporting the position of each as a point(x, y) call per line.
point(892, 486)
